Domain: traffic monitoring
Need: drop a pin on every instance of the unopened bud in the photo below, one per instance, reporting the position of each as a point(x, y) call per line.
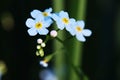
point(39, 41)
point(53, 33)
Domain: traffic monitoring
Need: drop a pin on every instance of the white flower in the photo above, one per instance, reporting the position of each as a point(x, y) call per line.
point(62, 20)
point(79, 31)
point(44, 63)
point(37, 25)
point(53, 33)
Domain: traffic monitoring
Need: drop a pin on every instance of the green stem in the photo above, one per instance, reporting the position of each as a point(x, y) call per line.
point(59, 40)
point(47, 38)
point(0, 75)
point(58, 5)
point(76, 51)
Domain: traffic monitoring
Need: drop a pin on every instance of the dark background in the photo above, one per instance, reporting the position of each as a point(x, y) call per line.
point(101, 51)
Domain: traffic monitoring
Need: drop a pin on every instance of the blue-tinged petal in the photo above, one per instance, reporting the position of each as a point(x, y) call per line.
point(55, 17)
point(32, 31)
point(30, 22)
point(68, 28)
point(72, 20)
point(80, 37)
point(60, 25)
point(74, 24)
point(48, 10)
point(63, 14)
point(35, 13)
point(43, 31)
point(81, 23)
point(87, 32)
point(47, 18)
point(48, 22)
point(39, 18)
point(71, 30)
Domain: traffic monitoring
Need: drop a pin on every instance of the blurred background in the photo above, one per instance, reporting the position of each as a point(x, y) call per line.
point(101, 54)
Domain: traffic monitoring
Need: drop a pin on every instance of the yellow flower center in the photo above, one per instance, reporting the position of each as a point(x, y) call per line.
point(38, 25)
point(45, 13)
point(78, 29)
point(45, 60)
point(65, 20)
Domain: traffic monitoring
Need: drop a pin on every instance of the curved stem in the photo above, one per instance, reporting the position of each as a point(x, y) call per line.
point(0, 76)
point(47, 38)
point(61, 41)
point(58, 5)
point(76, 51)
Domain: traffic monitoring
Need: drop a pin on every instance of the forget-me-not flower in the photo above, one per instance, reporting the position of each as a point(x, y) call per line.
point(46, 13)
point(62, 20)
point(79, 31)
point(37, 25)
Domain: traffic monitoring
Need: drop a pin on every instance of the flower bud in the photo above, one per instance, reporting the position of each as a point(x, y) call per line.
point(43, 44)
point(53, 33)
point(38, 46)
point(39, 41)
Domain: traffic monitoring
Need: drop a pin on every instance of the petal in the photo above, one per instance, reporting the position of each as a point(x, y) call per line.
point(48, 10)
point(80, 37)
point(43, 31)
point(87, 32)
point(30, 22)
point(81, 23)
point(63, 14)
point(43, 64)
point(48, 22)
point(71, 30)
point(39, 17)
point(55, 17)
point(35, 13)
point(72, 20)
point(60, 25)
point(32, 32)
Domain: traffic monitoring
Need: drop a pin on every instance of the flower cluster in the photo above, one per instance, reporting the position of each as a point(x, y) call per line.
point(41, 21)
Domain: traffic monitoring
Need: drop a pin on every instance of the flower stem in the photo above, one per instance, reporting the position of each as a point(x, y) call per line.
point(61, 41)
point(47, 38)
point(0, 76)
point(76, 50)
point(58, 5)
